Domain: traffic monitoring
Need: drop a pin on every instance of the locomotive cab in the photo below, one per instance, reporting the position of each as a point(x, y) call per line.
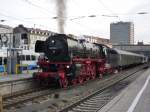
point(103, 51)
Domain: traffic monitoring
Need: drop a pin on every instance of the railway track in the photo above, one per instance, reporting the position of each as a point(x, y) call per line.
point(16, 100)
point(96, 100)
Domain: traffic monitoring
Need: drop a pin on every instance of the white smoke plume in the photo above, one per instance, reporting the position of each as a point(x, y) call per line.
point(61, 14)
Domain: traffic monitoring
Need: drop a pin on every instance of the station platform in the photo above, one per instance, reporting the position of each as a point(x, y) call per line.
point(12, 83)
point(15, 77)
point(134, 98)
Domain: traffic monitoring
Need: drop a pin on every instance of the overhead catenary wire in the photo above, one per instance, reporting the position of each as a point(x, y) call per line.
point(18, 19)
point(77, 4)
point(22, 20)
point(39, 7)
point(106, 7)
point(12, 17)
point(33, 4)
point(86, 28)
point(51, 18)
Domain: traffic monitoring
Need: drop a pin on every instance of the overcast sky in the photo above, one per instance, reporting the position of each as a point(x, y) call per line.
point(40, 13)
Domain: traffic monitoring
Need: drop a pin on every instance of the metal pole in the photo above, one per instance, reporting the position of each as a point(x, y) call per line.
point(9, 56)
point(10, 53)
point(1, 103)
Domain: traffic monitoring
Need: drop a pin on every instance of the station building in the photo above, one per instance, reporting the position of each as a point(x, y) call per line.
point(92, 39)
point(25, 38)
point(96, 39)
point(5, 35)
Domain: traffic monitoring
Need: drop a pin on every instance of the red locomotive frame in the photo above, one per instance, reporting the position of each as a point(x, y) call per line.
point(90, 69)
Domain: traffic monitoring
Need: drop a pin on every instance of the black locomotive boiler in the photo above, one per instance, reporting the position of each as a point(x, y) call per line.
point(60, 47)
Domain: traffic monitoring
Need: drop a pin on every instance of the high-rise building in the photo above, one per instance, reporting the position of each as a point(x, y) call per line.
point(122, 33)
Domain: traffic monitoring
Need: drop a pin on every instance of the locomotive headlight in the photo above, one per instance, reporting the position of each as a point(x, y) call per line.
point(52, 41)
point(68, 66)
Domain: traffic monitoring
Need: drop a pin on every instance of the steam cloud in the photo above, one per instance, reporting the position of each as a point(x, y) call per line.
point(61, 14)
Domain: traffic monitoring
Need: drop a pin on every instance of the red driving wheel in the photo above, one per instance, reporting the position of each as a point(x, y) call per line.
point(63, 83)
point(81, 80)
point(74, 81)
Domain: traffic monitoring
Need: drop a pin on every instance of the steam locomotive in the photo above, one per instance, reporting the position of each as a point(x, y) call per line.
point(69, 61)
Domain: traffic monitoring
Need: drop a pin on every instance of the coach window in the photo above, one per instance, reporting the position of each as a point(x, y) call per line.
point(5, 61)
point(27, 57)
point(24, 37)
point(32, 57)
point(22, 57)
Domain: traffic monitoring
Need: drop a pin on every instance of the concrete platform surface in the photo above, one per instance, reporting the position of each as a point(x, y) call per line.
point(13, 77)
point(10, 84)
point(134, 98)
